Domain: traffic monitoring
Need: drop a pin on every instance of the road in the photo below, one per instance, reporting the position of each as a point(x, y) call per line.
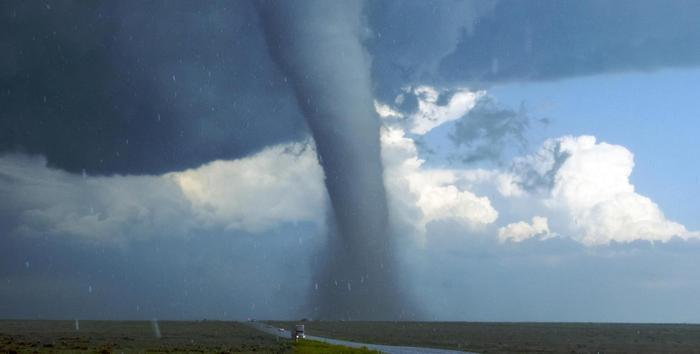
point(389, 349)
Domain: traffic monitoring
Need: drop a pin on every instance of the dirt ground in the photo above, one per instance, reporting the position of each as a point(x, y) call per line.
point(517, 337)
point(136, 337)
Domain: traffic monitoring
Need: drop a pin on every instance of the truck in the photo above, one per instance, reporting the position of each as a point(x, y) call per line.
point(298, 332)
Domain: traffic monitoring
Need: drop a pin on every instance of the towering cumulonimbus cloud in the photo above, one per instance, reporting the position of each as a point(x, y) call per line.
point(318, 45)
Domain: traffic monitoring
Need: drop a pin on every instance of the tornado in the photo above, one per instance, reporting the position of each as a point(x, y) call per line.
point(317, 44)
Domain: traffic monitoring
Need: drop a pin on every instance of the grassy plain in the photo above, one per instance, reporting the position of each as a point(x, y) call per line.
point(233, 337)
point(516, 337)
point(136, 337)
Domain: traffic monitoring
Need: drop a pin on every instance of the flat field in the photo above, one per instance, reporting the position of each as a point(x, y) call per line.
point(222, 337)
point(516, 337)
point(136, 337)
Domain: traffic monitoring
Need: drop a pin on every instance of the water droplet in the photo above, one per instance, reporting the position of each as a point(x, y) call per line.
point(90, 289)
point(316, 286)
point(26, 264)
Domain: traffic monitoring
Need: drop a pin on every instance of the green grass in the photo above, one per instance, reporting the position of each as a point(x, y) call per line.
point(312, 347)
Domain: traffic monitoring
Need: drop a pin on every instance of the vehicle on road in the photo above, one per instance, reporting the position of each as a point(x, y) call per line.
point(298, 332)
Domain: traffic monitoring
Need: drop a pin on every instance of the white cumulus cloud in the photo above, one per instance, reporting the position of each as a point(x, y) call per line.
point(281, 184)
point(590, 182)
point(429, 194)
point(578, 187)
point(521, 230)
point(431, 112)
point(385, 111)
point(581, 186)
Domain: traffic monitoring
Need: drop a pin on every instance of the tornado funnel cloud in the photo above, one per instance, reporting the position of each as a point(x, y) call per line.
point(318, 46)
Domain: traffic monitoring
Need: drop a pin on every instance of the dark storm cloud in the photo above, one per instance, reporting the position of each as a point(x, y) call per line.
point(487, 129)
point(409, 39)
point(552, 39)
point(535, 178)
point(133, 87)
